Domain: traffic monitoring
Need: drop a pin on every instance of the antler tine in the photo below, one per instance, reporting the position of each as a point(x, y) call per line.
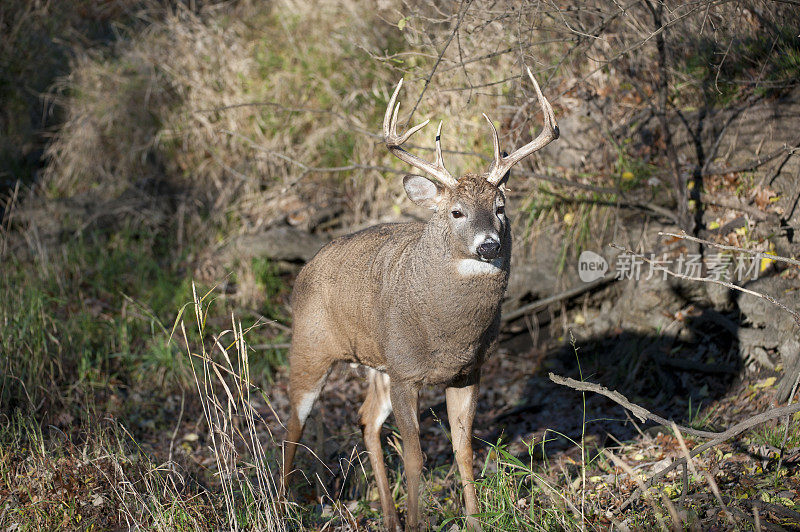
point(394, 142)
point(495, 139)
point(549, 133)
point(439, 158)
point(546, 108)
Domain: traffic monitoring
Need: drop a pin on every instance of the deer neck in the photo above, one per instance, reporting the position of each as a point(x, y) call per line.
point(453, 280)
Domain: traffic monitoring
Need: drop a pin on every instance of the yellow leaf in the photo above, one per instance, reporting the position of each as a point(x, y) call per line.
point(690, 185)
point(713, 225)
point(568, 218)
point(401, 24)
point(741, 231)
point(765, 262)
point(627, 176)
point(766, 383)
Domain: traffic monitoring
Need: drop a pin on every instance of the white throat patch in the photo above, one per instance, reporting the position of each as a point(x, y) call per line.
point(470, 267)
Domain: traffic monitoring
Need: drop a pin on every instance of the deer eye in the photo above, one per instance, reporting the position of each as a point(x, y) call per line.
point(501, 209)
point(456, 213)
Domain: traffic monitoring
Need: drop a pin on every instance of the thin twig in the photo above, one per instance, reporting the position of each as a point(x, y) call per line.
point(321, 169)
point(710, 479)
point(786, 421)
point(567, 294)
point(269, 322)
point(272, 346)
point(722, 438)
point(502, 52)
point(750, 165)
point(757, 253)
point(795, 314)
point(461, 15)
point(637, 479)
point(175, 432)
point(727, 203)
point(287, 109)
point(567, 182)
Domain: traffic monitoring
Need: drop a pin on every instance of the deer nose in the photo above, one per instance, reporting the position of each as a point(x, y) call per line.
point(489, 249)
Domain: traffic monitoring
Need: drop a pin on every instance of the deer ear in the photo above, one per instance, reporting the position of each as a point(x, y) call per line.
point(422, 191)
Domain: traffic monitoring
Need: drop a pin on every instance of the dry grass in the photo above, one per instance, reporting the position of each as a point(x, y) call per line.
point(210, 108)
point(246, 459)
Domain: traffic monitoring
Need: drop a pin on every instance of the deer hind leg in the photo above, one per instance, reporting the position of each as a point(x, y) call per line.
point(461, 403)
point(306, 378)
point(376, 408)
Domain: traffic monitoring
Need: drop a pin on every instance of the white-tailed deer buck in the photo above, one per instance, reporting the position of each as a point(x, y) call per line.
point(417, 303)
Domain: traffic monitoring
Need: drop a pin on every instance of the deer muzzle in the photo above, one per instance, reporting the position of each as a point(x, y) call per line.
point(489, 249)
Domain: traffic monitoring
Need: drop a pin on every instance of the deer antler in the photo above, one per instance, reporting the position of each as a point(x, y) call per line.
point(501, 164)
point(394, 141)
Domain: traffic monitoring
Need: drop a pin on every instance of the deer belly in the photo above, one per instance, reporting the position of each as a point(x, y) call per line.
point(448, 373)
point(445, 367)
point(366, 351)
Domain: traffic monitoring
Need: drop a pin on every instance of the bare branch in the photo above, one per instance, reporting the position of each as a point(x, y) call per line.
point(722, 438)
point(640, 412)
point(307, 168)
point(566, 294)
point(795, 314)
point(730, 203)
point(643, 414)
point(684, 236)
point(753, 164)
point(461, 15)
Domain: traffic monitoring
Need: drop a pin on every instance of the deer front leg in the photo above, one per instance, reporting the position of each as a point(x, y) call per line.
point(405, 402)
point(461, 403)
point(376, 408)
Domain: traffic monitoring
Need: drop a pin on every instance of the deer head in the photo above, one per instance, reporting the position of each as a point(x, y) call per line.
point(473, 206)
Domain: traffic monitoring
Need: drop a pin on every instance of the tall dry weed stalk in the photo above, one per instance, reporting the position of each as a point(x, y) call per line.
point(246, 469)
